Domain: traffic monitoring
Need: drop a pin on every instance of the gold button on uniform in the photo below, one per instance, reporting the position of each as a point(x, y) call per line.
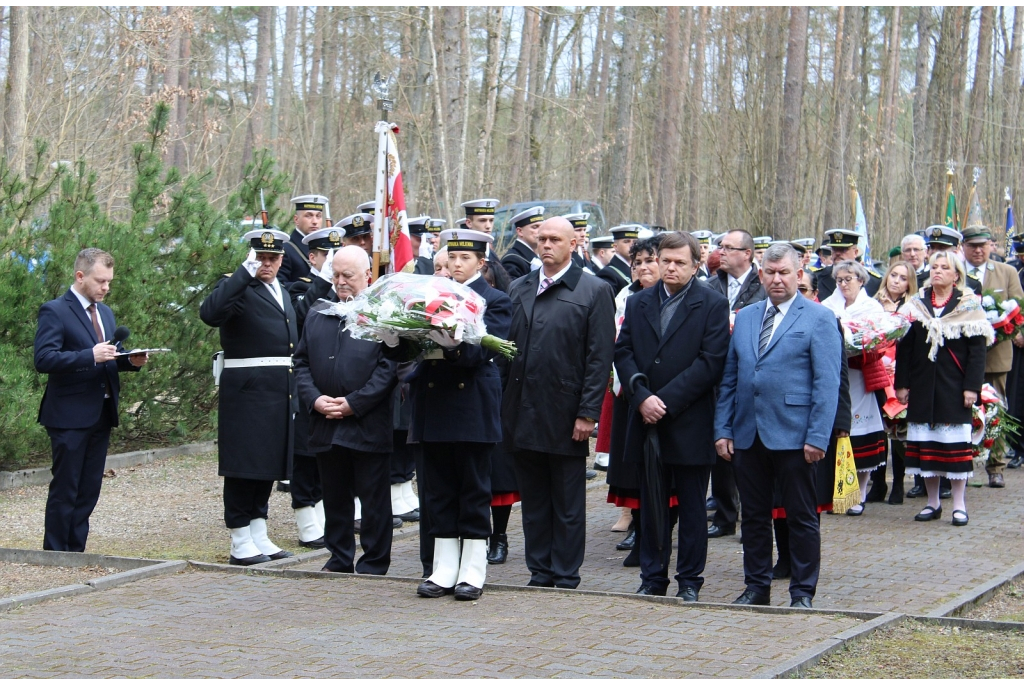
point(462, 386)
point(430, 385)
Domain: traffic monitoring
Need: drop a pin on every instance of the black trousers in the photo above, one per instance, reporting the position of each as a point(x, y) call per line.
point(553, 491)
point(723, 489)
point(79, 456)
point(305, 483)
point(348, 473)
point(756, 469)
point(245, 500)
point(403, 461)
point(690, 485)
point(456, 482)
point(426, 539)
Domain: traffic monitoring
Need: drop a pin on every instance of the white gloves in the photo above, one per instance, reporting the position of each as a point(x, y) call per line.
point(390, 339)
point(445, 339)
point(327, 271)
point(251, 263)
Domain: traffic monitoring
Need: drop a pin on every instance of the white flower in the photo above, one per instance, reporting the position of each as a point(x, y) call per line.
point(1008, 305)
point(988, 301)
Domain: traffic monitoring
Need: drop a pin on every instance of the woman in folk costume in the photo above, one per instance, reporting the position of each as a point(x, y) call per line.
point(940, 368)
point(899, 284)
point(867, 375)
point(623, 478)
point(456, 406)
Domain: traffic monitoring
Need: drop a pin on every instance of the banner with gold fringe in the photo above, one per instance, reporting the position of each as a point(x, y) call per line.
point(847, 489)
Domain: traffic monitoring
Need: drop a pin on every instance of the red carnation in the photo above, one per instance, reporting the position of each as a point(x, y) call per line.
point(987, 443)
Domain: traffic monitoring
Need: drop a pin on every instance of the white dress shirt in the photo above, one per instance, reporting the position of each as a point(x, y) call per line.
point(86, 304)
point(275, 289)
point(780, 314)
point(736, 285)
point(554, 279)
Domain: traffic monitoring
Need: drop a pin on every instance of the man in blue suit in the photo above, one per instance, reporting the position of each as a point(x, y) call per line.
point(776, 408)
point(79, 405)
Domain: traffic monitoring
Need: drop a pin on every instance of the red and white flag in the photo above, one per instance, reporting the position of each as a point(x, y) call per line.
point(390, 218)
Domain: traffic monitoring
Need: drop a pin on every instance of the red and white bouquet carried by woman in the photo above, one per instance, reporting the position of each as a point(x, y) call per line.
point(430, 311)
point(873, 332)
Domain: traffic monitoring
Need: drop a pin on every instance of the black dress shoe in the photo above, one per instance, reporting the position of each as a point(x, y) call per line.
point(646, 589)
point(541, 583)
point(711, 504)
point(600, 467)
point(591, 474)
point(962, 519)
point(945, 493)
point(432, 590)
point(781, 570)
point(411, 516)
point(464, 592)
point(284, 487)
point(916, 491)
point(754, 598)
point(280, 554)
point(929, 514)
point(396, 522)
point(1016, 462)
point(688, 594)
point(498, 551)
point(249, 561)
point(896, 494)
point(632, 559)
point(628, 542)
point(720, 531)
point(319, 543)
point(801, 603)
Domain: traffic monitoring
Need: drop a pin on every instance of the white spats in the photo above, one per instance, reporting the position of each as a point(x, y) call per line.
point(398, 504)
point(473, 566)
point(321, 517)
point(308, 523)
point(446, 562)
point(242, 546)
point(411, 500)
point(258, 532)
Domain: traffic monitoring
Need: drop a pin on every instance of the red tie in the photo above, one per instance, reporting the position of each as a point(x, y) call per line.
point(96, 322)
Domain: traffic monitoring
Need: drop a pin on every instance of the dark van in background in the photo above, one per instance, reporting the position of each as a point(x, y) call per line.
point(504, 234)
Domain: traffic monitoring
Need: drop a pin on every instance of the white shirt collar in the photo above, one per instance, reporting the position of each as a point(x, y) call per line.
point(557, 276)
point(475, 276)
point(275, 289)
point(82, 298)
point(742, 278)
point(523, 242)
point(783, 308)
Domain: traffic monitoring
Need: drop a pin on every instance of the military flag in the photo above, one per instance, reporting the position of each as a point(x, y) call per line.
point(391, 244)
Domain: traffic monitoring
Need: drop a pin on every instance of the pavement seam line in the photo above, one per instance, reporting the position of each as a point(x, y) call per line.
point(977, 595)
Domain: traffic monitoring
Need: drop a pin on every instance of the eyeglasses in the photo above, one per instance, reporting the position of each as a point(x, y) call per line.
point(729, 248)
point(804, 289)
point(848, 279)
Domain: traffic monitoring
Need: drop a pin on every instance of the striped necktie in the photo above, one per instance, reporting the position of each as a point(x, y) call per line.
point(545, 284)
point(766, 329)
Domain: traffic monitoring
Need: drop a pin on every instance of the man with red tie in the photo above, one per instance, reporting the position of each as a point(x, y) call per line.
point(79, 406)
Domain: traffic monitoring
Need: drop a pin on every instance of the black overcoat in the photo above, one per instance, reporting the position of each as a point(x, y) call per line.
point(617, 274)
point(751, 292)
point(329, 361)
point(255, 406)
point(305, 292)
point(683, 367)
point(937, 388)
point(295, 262)
point(565, 339)
point(458, 398)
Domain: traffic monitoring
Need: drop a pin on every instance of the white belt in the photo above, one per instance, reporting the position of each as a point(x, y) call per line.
point(257, 361)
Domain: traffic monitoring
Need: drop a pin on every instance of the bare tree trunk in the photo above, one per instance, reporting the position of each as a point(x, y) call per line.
point(598, 94)
point(519, 123)
point(15, 115)
point(328, 101)
point(700, 26)
point(879, 215)
point(535, 103)
point(181, 109)
point(489, 99)
point(919, 152)
point(439, 107)
point(319, 19)
point(1009, 141)
point(284, 98)
point(772, 115)
point(668, 120)
point(792, 104)
point(254, 132)
point(839, 139)
point(621, 155)
point(979, 91)
point(464, 59)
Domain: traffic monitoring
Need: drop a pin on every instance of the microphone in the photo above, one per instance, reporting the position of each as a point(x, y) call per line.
point(120, 335)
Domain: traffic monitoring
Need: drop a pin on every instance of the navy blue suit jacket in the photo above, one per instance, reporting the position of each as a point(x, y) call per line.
point(76, 385)
point(789, 395)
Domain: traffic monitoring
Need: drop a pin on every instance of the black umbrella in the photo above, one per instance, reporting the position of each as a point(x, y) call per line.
point(656, 502)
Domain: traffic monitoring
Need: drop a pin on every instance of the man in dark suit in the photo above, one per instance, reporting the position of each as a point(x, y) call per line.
point(563, 326)
point(347, 384)
point(257, 389)
point(776, 409)
point(843, 242)
point(304, 486)
point(79, 405)
point(309, 216)
point(616, 272)
point(738, 280)
point(675, 334)
point(522, 257)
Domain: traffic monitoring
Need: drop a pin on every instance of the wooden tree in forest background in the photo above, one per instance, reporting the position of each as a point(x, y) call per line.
point(698, 117)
